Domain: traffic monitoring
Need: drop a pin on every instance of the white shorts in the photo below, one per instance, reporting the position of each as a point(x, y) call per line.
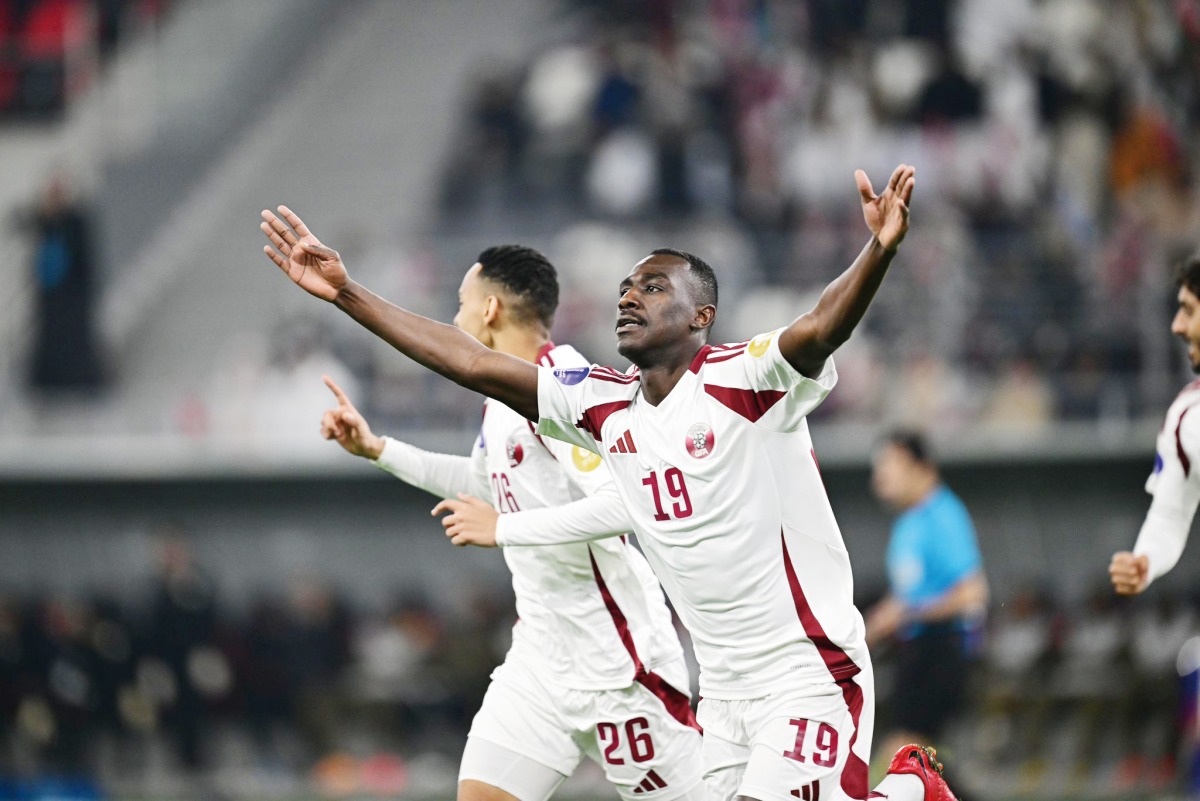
point(791, 745)
point(644, 735)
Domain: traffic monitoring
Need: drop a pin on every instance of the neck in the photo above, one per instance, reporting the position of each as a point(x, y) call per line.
point(661, 372)
point(524, 343)
point(924, 489)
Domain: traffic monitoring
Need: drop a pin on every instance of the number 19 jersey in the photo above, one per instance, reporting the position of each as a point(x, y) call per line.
point(725, 495)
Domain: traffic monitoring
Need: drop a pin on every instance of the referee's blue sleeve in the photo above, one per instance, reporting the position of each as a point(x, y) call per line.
point(957, 550)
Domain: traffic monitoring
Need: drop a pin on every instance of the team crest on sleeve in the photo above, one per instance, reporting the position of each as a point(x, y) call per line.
point(516, 453)
point(584, 460)
point(700, 440)
point(758, 346)
point(571, 375)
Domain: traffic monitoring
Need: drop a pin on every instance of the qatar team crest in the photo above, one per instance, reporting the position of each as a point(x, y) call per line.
point(515, 453)
point(700, 441)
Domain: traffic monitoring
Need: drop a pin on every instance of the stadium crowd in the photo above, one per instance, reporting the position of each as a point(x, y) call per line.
point(48, 48)
point(1033, 286)
point(302, 689)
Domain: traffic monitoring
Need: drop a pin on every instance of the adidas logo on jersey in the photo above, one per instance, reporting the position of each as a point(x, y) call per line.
point(624, 444)
point(809, 792)
point(651, 783)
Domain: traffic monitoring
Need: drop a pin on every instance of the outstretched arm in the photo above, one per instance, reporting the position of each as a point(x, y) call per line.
point(813, 337)
point(440, 347)
point(437, 473)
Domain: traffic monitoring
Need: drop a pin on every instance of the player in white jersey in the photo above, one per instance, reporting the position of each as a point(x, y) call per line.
point(1175, 481)
point(595, 667)
point(709, 449)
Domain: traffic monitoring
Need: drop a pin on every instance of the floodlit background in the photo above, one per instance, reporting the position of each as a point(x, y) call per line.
point(201, 598)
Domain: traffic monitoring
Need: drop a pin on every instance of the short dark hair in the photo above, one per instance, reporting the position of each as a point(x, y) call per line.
point(1188, 275)
point(528, 275)
point(704, 279)
point(913, 443)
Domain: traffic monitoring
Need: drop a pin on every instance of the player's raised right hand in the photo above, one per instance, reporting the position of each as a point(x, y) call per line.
point(1129, 572)
point(887, 214)
point(317, 269)
point(345, 425)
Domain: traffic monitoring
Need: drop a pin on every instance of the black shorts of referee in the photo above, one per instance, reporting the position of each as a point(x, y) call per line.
point(931, 678)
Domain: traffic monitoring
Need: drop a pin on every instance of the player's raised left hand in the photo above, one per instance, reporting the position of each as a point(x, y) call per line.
point(317, 269)
point(470, 522)
point(887, 213)
point(1129, 572)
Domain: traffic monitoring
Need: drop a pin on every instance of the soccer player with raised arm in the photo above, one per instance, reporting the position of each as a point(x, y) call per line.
point(709, 450)
point(595, 667)
point(1175, 482)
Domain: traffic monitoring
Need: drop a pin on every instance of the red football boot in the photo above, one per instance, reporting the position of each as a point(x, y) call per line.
point(921, 761)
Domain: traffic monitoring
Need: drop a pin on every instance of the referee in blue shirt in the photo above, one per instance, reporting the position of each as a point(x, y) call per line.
point(938, 592)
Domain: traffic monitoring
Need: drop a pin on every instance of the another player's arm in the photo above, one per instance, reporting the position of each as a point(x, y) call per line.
point(1162, 538)
point(1164, 532)
point(599, 515)
point(813, 337)
point(472, 522)
point(437, 473)
point(442, 348)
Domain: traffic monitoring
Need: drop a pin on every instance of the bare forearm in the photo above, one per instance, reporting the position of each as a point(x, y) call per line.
point(813, 338)
point(444, 349)
point(966, 597)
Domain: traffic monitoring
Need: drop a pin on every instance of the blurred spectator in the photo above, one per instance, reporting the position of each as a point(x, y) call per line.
point(1021, 399)
point(1151, 706)
point(64, 348)
point(182, 617)
point(1093, 671)
point(316, 651)
point(48, 48)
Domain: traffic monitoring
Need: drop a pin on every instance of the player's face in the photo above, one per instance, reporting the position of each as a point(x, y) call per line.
point(472, 302)
point(1186, 325)
point(656, 310)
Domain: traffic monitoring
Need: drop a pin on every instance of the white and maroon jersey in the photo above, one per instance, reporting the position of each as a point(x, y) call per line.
point(1174, 484)
point(591, 614)
point(726, 498)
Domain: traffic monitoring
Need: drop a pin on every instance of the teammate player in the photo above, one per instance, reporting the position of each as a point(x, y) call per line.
point(596, 667)
point(709, 450)
point(1175, 481)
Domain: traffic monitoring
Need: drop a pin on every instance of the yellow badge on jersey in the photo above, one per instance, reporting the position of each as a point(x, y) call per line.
point(585, 461)
point(758, 346)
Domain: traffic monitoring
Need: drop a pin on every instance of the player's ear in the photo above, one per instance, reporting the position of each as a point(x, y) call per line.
point(491, 309)
point(704, 317)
